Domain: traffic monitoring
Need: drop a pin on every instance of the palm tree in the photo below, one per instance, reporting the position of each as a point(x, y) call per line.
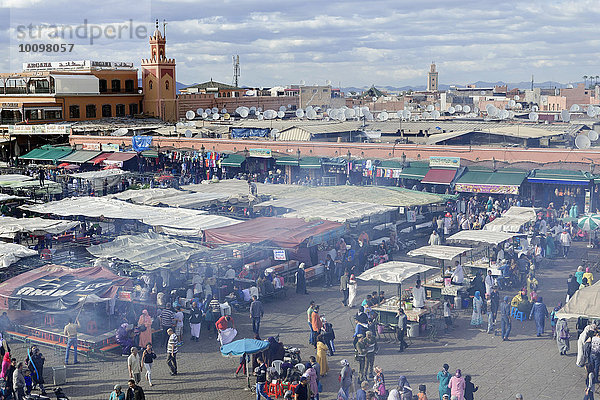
point(597, 77)
point(585, 80)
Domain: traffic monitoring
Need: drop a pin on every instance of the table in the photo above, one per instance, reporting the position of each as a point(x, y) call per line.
point(377, 242)
point(435, 290)
point(388, 309)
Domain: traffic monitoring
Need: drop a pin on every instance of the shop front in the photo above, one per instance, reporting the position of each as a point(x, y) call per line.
point(561, 187)
point(487, 181)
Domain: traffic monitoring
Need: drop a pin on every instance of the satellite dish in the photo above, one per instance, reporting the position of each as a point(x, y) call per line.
point(226, 116)
point(282, 108)
point(430, 108)
point(250, 93)
point(593, 135)
point(280, 114)
point(350, 113)
point(451, 110)
point(190, 115)
point(311, 114)
point(467, 109)
point(476, 110)
point(289, 106)
point(259, 109)
point(275, 132)
point(374, 98)
point(299, 113)
point(565, 115)
point(224, 111)
point(511, 103)
point(188, 133)
point(199, 111)
point(383, 116)
point(215, 116)
point(400, 113)
point(426, 115)
point(533, 116)
point(458, 108)
point(215, 110)
point(244, 113)
point(260, 117)
point(504, 114)
point(204, 115)
point(120, 132)
point(517, 98)
point(482, 93)
point(591, 111)
point(574, 108)
point(535, 108)
point(252, 110)
point(208, 111)
point(582, 142)
point(435, 114)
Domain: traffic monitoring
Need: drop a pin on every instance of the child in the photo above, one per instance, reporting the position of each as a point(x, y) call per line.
point(469, 388)
point(422, 390)
point(28, 381)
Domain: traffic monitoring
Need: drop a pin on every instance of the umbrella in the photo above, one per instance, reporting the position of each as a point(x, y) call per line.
point(394, 272)
point(589, 222)
point(248, 346)
point(62, 165)
point(244, 346)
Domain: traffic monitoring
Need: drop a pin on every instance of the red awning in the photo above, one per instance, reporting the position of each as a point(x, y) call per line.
point(119, 158)
point(98, 159)
point(439, 176)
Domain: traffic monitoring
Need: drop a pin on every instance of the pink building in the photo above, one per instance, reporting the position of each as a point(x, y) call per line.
point(580, 95)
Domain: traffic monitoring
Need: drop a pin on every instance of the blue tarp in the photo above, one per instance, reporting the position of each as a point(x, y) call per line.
point(141, 143)
point(248, 346)
point(249, 132)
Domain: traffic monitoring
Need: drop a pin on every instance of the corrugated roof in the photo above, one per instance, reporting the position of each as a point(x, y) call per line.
point(213, 84)
point(559, 176)
point(48, 153)
point(295, 134)
point(233, 160)
point(80, 156)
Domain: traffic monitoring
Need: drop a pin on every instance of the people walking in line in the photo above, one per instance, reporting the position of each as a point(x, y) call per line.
point(70, 332)
point(505, 323)
point(539, 313)
point(256, 313)
point(443, 377)
point(172, 348)
point(148, 357)
point(317, 324)
point(371, 343)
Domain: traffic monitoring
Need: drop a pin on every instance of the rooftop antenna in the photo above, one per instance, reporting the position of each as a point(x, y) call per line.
point(236, 70)
point(164, 28)
point(532, 82)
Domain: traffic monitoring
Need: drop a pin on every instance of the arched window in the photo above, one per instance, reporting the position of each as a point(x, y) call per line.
point(150, 85)
point(167, 85)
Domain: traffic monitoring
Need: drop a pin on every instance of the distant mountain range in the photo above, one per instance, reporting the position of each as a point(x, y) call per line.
point(479, 84)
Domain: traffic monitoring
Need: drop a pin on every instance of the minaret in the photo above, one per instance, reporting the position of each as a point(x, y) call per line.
point(158, 79)
point(432, 79)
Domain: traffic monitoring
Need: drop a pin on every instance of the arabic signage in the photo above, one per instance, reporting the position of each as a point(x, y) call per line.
point(90, 146)
point(39, 130)
point(261, 153)
point(74, 65)
point(110, 147)
point(492, 189)
point(444, 162)
point(279, 255)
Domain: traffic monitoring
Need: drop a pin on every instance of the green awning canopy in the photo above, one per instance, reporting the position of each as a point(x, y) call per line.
point(560, 176)
point(48, 153)
point(80, 156)
point(391, 164)
point(233, 160)
point(415, 170)
point(150, 153)
point(506, 181)
point(287, 161)
point(336, 162)
point(310, 162)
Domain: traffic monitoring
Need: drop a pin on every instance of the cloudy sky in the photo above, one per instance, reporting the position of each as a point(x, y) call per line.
point(350, 43)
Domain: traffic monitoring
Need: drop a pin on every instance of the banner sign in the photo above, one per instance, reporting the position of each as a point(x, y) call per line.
point(141, 143)
point(492, 189)
point(39, 129)
point(91, 146)
point(444, 162)
point(262, 153)
point(279, 255)
point(110, 147)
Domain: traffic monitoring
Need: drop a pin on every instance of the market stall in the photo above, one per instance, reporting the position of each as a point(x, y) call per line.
point(584, 303)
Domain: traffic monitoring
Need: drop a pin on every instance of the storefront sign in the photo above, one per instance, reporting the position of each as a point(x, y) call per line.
point(444, 162)
point(492, 189)
point(262, 153)
point(74, 65)
point(110, 147)
point(279, 255)
point(91, 146)
point(39, 129)
point(11, 105)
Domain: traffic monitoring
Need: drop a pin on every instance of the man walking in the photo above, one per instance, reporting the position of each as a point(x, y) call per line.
point(172, 349)
point(134, 365)
point(256, 313)
point(401, 332)
point(371, 343)
point(70, 332)
point(361, 355)
point(344, 288)
point(565, 240)
point(166, 323)
point(309, 311)
point(134, 392)
point(329, 266)
point(317, 324)
point(19, 382)
point(505, 323)
point(539, 312)
point(261, 379)
point(36, 367)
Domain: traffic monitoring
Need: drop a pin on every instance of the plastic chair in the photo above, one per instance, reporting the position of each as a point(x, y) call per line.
point(519, 316)
point(513, 311)
point(277, 365)
point(300, 367)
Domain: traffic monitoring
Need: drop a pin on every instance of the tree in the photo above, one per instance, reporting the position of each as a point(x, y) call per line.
point(585, 80)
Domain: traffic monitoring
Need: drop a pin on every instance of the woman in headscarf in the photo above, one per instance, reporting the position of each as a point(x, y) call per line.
point(404, 388)
point(457, 385)
point(346, 377)
point(322, 354)
point(379, 384)
point(443, 378)
point(539, 312)
point(580, 342)
point(562, 336)
point(146, 332)
point(579, 274)
point(352, 291)
point(477, 317)
point(589, 276)
point(311, 375)
point(5, 365)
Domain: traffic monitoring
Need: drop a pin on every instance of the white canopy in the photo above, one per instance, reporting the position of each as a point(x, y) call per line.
point(11, 253)
point(481, 236)
point(172, 198)
point(394, 271)
point(584, 303)
point(5, 178)
point(513, 220)
point(439, 252)
point(9, 226)
point(192, 222)
point(335, 211)
point(529, 213)
point(102, 174)
point(148, 250)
